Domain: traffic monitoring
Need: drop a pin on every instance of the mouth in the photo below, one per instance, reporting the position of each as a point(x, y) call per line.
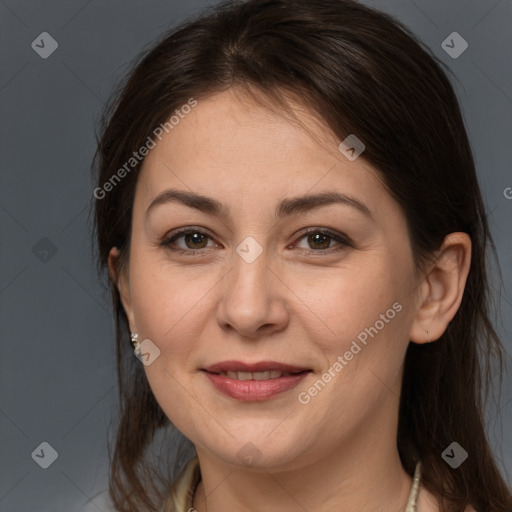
point(256, 381)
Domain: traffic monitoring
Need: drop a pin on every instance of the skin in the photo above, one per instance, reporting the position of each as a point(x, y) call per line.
point(294, 304)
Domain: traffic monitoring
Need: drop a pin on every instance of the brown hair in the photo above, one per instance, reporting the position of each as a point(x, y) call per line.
point(361, 72)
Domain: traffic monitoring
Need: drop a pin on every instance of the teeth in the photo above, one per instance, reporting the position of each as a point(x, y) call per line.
point(262, 375)
point(268, 374)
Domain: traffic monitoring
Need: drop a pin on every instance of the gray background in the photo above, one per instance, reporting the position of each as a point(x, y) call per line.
point(57, 382)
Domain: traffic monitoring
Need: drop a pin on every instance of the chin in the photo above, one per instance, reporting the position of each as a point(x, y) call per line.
point(258, 452)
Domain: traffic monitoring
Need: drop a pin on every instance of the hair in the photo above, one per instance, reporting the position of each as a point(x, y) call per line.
point(360, 72)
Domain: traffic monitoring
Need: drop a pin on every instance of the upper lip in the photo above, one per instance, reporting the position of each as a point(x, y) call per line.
point(261, 366)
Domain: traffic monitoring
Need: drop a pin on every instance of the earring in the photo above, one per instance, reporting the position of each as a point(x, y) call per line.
point(135, 340)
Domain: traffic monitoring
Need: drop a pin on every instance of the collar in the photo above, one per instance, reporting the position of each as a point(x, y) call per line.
point(181, 498)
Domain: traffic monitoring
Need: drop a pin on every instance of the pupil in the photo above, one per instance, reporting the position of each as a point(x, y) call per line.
point(195, 238)
point(317, 239)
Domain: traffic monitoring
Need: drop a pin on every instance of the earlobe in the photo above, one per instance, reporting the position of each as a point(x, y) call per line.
point(119, 277)
point(442, 289)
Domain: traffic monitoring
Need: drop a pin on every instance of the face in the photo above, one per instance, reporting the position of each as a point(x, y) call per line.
point(324, 285)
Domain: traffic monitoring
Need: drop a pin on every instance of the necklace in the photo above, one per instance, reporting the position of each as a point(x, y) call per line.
point(412, 502)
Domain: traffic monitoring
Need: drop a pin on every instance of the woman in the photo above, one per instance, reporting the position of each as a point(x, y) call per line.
point(288, 208)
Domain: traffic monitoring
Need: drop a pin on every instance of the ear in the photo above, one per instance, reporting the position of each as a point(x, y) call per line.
point(441, 291)
point(119, 276)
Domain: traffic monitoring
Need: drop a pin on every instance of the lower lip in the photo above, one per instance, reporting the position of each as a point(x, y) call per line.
point(254, 390)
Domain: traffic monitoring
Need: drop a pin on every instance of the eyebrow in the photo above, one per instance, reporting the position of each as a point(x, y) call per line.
point(286, 207)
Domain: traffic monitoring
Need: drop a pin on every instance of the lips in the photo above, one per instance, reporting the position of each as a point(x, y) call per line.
point(256, 381)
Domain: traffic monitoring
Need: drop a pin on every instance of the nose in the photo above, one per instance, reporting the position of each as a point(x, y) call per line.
point(253, 301)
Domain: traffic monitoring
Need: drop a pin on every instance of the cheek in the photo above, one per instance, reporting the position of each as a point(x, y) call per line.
point(346, 301)
point(168, 303)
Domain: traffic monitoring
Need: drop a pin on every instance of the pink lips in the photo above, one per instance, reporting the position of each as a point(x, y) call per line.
point(254, 390)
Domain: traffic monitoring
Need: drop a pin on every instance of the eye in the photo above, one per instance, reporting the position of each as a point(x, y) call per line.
point(194, 240)
point(321, 240)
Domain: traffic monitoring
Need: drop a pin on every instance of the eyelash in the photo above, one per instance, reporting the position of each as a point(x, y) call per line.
point(342, 240)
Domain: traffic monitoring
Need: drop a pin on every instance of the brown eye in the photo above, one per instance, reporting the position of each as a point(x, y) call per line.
point(187, 241)
point(324, 241)
point(195, 240)
point(319, 241)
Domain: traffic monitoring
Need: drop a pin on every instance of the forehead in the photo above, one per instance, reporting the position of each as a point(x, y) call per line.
point(236, 149)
